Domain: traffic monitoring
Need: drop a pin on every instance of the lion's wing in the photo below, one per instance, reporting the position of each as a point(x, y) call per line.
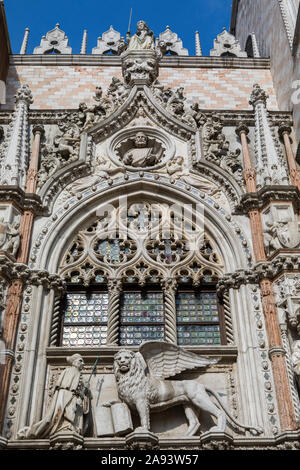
point(165, 360)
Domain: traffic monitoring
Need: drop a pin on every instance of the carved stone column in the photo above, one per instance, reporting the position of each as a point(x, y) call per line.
point(277, 357)
point(114, 290)
point(13, 307)
point(249, 173)
point(169, 287)
point(32, 173)
point(284, 132)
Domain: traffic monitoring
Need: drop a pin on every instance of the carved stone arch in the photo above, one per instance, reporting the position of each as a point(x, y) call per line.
point(48, 248)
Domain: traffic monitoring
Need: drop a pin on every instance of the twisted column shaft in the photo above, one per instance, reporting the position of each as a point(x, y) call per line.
point(169, 288)
point(114, 289)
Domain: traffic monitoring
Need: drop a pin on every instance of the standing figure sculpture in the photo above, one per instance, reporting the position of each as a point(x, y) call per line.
point(68, 407)
point(143, 39)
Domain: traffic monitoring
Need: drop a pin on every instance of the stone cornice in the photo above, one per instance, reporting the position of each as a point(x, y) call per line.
point(24, 201)
point(115, 61)
point(263, 270)
point(11, 270)
point(265, 195)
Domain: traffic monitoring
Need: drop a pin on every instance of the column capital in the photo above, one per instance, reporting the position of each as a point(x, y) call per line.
point(242, 129)
point(38, 128)
point(284, 128)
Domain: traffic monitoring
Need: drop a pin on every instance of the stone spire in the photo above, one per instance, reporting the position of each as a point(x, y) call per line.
point(271, 168)
point(23, 49)
point(256, 53)
point(198, 44)
point(84, 42)
point(15, 153)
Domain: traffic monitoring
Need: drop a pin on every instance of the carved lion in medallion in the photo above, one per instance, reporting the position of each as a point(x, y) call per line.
point(152, 392)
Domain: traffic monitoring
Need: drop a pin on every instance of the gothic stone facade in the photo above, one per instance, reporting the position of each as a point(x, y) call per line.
point(92, 147)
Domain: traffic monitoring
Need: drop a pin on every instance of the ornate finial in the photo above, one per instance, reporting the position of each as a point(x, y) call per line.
point(24, 94)
point(258, 95)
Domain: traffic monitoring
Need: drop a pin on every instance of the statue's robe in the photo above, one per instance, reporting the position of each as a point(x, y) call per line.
point(140, 42)
point(67, 407)
point(139, 157)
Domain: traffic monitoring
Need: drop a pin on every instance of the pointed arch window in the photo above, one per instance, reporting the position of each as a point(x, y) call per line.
point(159, 282)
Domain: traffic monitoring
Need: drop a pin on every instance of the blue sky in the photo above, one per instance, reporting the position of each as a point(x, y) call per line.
point(183, 16)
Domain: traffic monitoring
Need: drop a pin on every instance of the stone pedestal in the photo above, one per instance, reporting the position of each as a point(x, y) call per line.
point(216, 441)
point(3, 443)
point(140, 67)
point(66, 441)
point(142, 440)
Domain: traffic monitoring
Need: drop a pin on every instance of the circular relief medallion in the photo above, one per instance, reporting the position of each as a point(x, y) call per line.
point(141, 148)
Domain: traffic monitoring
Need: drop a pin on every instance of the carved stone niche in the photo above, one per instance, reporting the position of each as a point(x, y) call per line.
point(141, 148)
point(140, 67)
point(287, 296)
point(281, 228)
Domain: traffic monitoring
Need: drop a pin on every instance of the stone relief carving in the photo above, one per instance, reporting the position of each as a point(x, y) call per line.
point(147, 393)
point(176, 104)
point(287, 290)
point(9, 237)
point(142, 152)
point(103, 170)
point(68, 407)
point(65, 149)
point(55, 41)
point(217, 149)
point(281, 228)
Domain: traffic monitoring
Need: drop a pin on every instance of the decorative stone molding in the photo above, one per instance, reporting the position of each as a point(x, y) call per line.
point(265, 196)
point(108, 42)
point(16, 146)
point(271, 167)
point(55, 41)
point(142, 441)
point(226, 45)
point(171, 43)
point(140, 67)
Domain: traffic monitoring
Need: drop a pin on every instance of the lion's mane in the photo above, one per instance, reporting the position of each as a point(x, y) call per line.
point(134, 383)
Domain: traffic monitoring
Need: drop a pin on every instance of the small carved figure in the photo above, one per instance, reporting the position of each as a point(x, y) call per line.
point(143, 39)
point(9, 237)
point(142, 155)
point(68, 407)
point(68, 143)
point(103, 170)
point(177, 170)
point(296, 361)
point(152, 392)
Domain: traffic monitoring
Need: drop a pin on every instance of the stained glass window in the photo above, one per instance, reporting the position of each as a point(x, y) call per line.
point(198, 321)
point(85, 319)
point(141, 317)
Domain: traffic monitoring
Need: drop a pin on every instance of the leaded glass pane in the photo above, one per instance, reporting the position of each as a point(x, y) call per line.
point(198, 334)
point(133, 335)
point(197, 318)
point(85, 319)
point(138, 311)
point(192, 307)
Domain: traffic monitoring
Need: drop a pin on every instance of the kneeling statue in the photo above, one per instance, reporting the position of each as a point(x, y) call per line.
point(69, 405)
